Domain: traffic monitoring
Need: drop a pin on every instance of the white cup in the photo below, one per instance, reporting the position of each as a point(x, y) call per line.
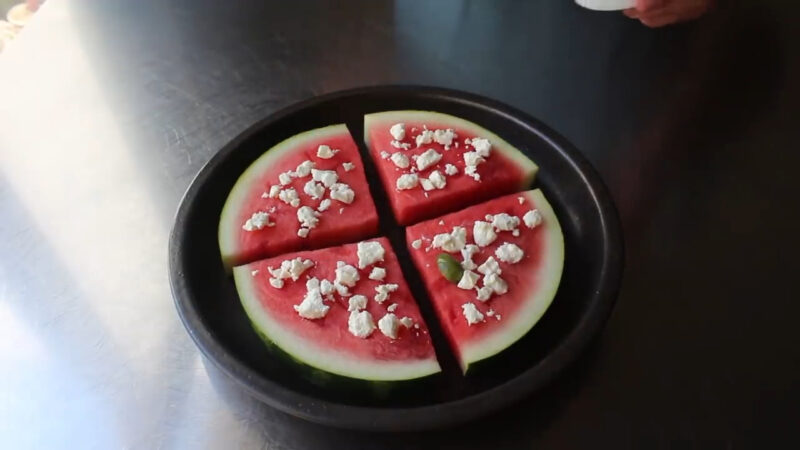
point(606, 5)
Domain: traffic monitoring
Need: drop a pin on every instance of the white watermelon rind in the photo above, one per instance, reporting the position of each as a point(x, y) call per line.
point(229, 226)
point(326, 359)
point(518, 324)
point(388, 118)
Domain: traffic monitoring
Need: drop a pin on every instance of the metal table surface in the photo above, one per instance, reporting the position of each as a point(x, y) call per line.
point(108, 109)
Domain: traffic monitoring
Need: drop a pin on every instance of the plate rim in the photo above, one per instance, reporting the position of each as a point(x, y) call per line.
point(428, 416)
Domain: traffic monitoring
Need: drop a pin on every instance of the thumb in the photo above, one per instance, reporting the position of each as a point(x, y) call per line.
point(650, 5)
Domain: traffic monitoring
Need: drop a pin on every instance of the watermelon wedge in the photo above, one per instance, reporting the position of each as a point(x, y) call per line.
point(345, 310)
point(432, 163)
point(505, 262)
point(306, 192)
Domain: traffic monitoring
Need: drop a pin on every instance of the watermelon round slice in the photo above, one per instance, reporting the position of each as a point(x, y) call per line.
point(429, 165)
point(262, 215)
point(483, 320)
point(320, 333)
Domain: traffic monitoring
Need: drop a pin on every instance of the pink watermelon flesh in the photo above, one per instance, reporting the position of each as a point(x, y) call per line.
point(506, 170)
point(532, 282)
point(340, 223)
point(326, 343)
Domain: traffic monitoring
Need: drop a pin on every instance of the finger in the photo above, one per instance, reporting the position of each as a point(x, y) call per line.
point(631, 12)
point(658, 20)
point(650, 5)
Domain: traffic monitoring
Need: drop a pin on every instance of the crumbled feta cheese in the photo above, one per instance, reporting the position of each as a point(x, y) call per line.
point(484, 293)
point(451, 242)
point(343, 193)
point(505, 222)
point(325, 152)
point(274, 191)
point(532, 218)
point(426, 184)
point(398, 131)
point(307, 217)
point(437, 179)
point(497, 284)
point(417, 243)
point(324, 205)
point(303, 232)
point(407, 181)
point(388, 325)
point(401, 145)
point(312, 283)
point(378, 273)
point(346, 275)
point(468, 280)
point(348, 166)
point(327, 177)
point(407, 322)
point(483, 233)
point(285, 178)
point(490, 266)
point(400, 160)
point(428, 158)
point(369, 253)
point(290, 197)
point(472, 171)
point(482, 146)
point(392, 307)
point(357, 303)
point(471, 313)
point(466, 254)
point(472, 158)
point(341, 289)
point(490, 313)
point(444, 137)
point(521, 200)
point(326, 287)
point(291, 268)
point(257, 221)
point(303, 169)
point(509, 253)
point(312, 306)
point(498, 317)
point(515, 232)
point(314, 190)
point(450, 169)
point(360, 324)
point(341, 210)
point(425, 137)
point(383, 291)
point(277, 283)
point(385, 155)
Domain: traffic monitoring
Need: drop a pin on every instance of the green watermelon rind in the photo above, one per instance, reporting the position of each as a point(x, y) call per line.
point(229, 226)
point(533, 307)
point(326, 360)
point(528, 167)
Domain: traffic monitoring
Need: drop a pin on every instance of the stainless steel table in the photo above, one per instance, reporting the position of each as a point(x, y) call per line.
point(108, 109)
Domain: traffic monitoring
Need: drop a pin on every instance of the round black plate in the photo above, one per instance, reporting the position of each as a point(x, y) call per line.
point(209, 307)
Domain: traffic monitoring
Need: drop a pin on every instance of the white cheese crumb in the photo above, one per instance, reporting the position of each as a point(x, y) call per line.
point(325, 152)
point(346, 275)
point(471, 313)
point(407, 322)
point(341, 210)
point(392, 307)
point(343, 193)
point(389, 325)
point(521, 200)
point(290, 197)
point(307, 217)
point(348, 166)
point(532, 218)
point(495, 283)
point(468, 280)
point(428, 158)
point(383, 291)
point(444, 137)
point(515, 232)
point(482, 146)
point(378, 273)
point(303, 169)
point(277, 283)
point(312, 306)
point(285, 178)
point(407, 181)
point(369, 253)
point(398, 131)
point(472, 171)
point(437, 179)
point(509, 253)
point(466, 255)
point(326, 177)
point(357, 303)
point(505, 222)
point(257, 221)
point(314, 190)
point(472, 158)
point(498, 317)
point(324, 205)
point(490, 266)
point(490, 313)
point(326, 287)
point(417, 244)
point(274, 191)
point(385, 155)
point(341, 289)
point(400, 160)
point(401, 145)
point(303, 232)
point(483, 233)
point(426, 184)
point(450, 169)
point(451, 242)
point(360, 324)
point(425, 137)
point(484, 293)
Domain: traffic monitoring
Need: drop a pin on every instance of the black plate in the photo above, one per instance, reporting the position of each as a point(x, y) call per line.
point(209, 307)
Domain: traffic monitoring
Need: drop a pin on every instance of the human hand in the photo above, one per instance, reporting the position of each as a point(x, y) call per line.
point(657, 13)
